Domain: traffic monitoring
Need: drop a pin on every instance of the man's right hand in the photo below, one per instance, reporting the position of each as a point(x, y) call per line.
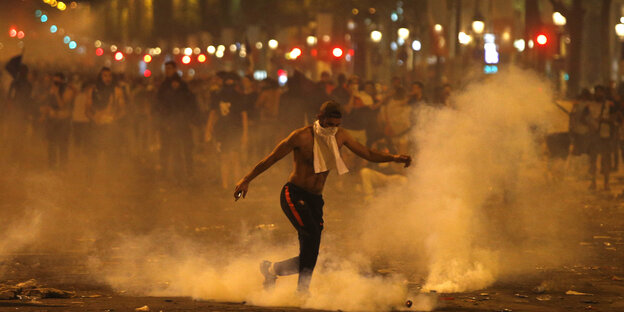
point(241, 189)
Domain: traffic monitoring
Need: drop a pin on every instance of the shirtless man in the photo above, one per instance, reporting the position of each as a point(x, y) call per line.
point(316, 151)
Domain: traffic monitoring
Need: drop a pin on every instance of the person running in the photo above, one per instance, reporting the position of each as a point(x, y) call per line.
point(316, 150)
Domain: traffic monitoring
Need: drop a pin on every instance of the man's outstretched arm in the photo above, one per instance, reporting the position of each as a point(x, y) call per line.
point(373, 155)
point(281, 150)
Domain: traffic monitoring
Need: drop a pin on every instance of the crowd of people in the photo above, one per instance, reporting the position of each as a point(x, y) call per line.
point(107, 118)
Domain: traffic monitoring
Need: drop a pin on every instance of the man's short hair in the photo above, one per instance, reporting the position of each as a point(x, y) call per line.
point(330, 109)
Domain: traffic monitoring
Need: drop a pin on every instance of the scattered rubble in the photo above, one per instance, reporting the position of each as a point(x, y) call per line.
point(143, 308)
point(577, 293)
point(30, 289)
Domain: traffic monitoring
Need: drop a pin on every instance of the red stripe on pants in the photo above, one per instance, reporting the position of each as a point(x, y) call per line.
point(292, 207)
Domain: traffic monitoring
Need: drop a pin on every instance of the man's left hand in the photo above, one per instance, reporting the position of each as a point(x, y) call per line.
point(404, 159)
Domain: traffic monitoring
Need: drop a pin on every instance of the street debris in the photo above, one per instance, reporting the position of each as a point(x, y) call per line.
point(617, 278)
point(543, 298)
point(521, 296)
point(408, 303)
point(143, 308)
point(577, 293)
point(31, 290)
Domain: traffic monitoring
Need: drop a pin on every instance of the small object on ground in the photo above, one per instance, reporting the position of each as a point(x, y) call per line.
point(539, 289)
point(484, 294)
point(591, 301)
point(577, 293)
point(408, 303)
point(616, 278)
point(543, 297)
point(446, 298)
point(269, 278)
point(588, 307)
point(31, 283)
point(168, 300)
point(92, 296)
point(521, 296)
point(143, 308)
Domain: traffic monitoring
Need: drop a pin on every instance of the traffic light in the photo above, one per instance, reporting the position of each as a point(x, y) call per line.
point(541, 39)
point(337, 52)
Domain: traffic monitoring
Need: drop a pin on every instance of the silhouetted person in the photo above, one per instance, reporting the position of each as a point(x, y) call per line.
point(57, 114)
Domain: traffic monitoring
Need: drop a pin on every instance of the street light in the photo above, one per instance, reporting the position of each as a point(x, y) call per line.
point(375, 35)
point(478, 26)
point(311, 40)
point(559, 19)
point(463, 38)
point(437, 28)
point(403, 33)
point(619, 30)
point(273, 44)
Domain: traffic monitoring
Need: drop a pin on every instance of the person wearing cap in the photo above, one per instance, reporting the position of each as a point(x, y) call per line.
point(316, 151)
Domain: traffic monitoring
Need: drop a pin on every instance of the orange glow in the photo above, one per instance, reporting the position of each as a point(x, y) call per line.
point(12, 32)
point(542, 39)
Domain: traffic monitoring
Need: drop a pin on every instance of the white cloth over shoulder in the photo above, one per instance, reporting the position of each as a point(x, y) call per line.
point(326, 153)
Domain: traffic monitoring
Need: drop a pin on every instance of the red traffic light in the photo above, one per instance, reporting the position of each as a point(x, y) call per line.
point(99, 51)
point(12, 32)
point(541, 39)
point(119, 56)
point(186, 59)
point(337, 52)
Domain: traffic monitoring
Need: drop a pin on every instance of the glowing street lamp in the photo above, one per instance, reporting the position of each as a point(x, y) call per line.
point(559, 19)
point(619, 30)
point(311, 40)
point(273, 44)
point(478, 26)
point(463, 38)
point(437, 28)
point(403, 33)
point(375, 35)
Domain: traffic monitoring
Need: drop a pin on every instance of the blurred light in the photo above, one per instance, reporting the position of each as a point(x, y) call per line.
point(478, 27)
point(506, 36)
point(219, 53)
point(311, 40)
point(147, 73)
point(403, 33)
point(46, 1)
point(519, 45)
point(119, 56)
point(138, 50)
point(61, 6)
point(416, 45)
point(20, 35)
point(566, 76)
point(258, 45)
point(490, 69)
point(622, 19)
point(157, 50)
point(394, 17)
point(99, 51)
point(530, 44)
point(375, 35)
point(295, 53)
point(282, 80)
point(44, 18)
point(186, 59)
point(196, 51)
point(129, 50)
point(1, 45)
point(53, 3)
point(464, 38)
point(73, 5)
point(82, 50)
point(188, 51)
point(400, 10)
point(66, 40)
point(489, 38)
point(348, 58)
point(273, 44)
point(72, 45)
point(53, 28)
point(491, 55)
point(211, 49)
point(232, 48)
point(619, 30)
point(147, 58)
point(113, 48)
point(437, 28)
point(314, 52)
point(191, 72)
point(394, 46)
point(348, 37)
point(38, 13)
point(242, 53)
point(541, 39)
point(201, 58)
point(176, 51)
point(400, 41)
point(355, 11)
point(221, 48)
point(326, 38)
point(372, 10)
point(337, 52)
point(351, 25)
point(260, 74)
point(558, 19)
point(12, 32)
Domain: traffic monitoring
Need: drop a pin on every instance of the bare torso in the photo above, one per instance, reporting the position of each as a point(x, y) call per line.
point(303, 172)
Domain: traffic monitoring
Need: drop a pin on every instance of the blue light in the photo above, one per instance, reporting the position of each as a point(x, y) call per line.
point(38, 13)
point(72, 45)
point(566, 77)
point(44, 18)
point(490, 69)
point(66, 40)
point(53, 28)
point(394, 17)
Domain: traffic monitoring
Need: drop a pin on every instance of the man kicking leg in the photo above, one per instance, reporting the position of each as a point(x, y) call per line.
point(316, 150)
